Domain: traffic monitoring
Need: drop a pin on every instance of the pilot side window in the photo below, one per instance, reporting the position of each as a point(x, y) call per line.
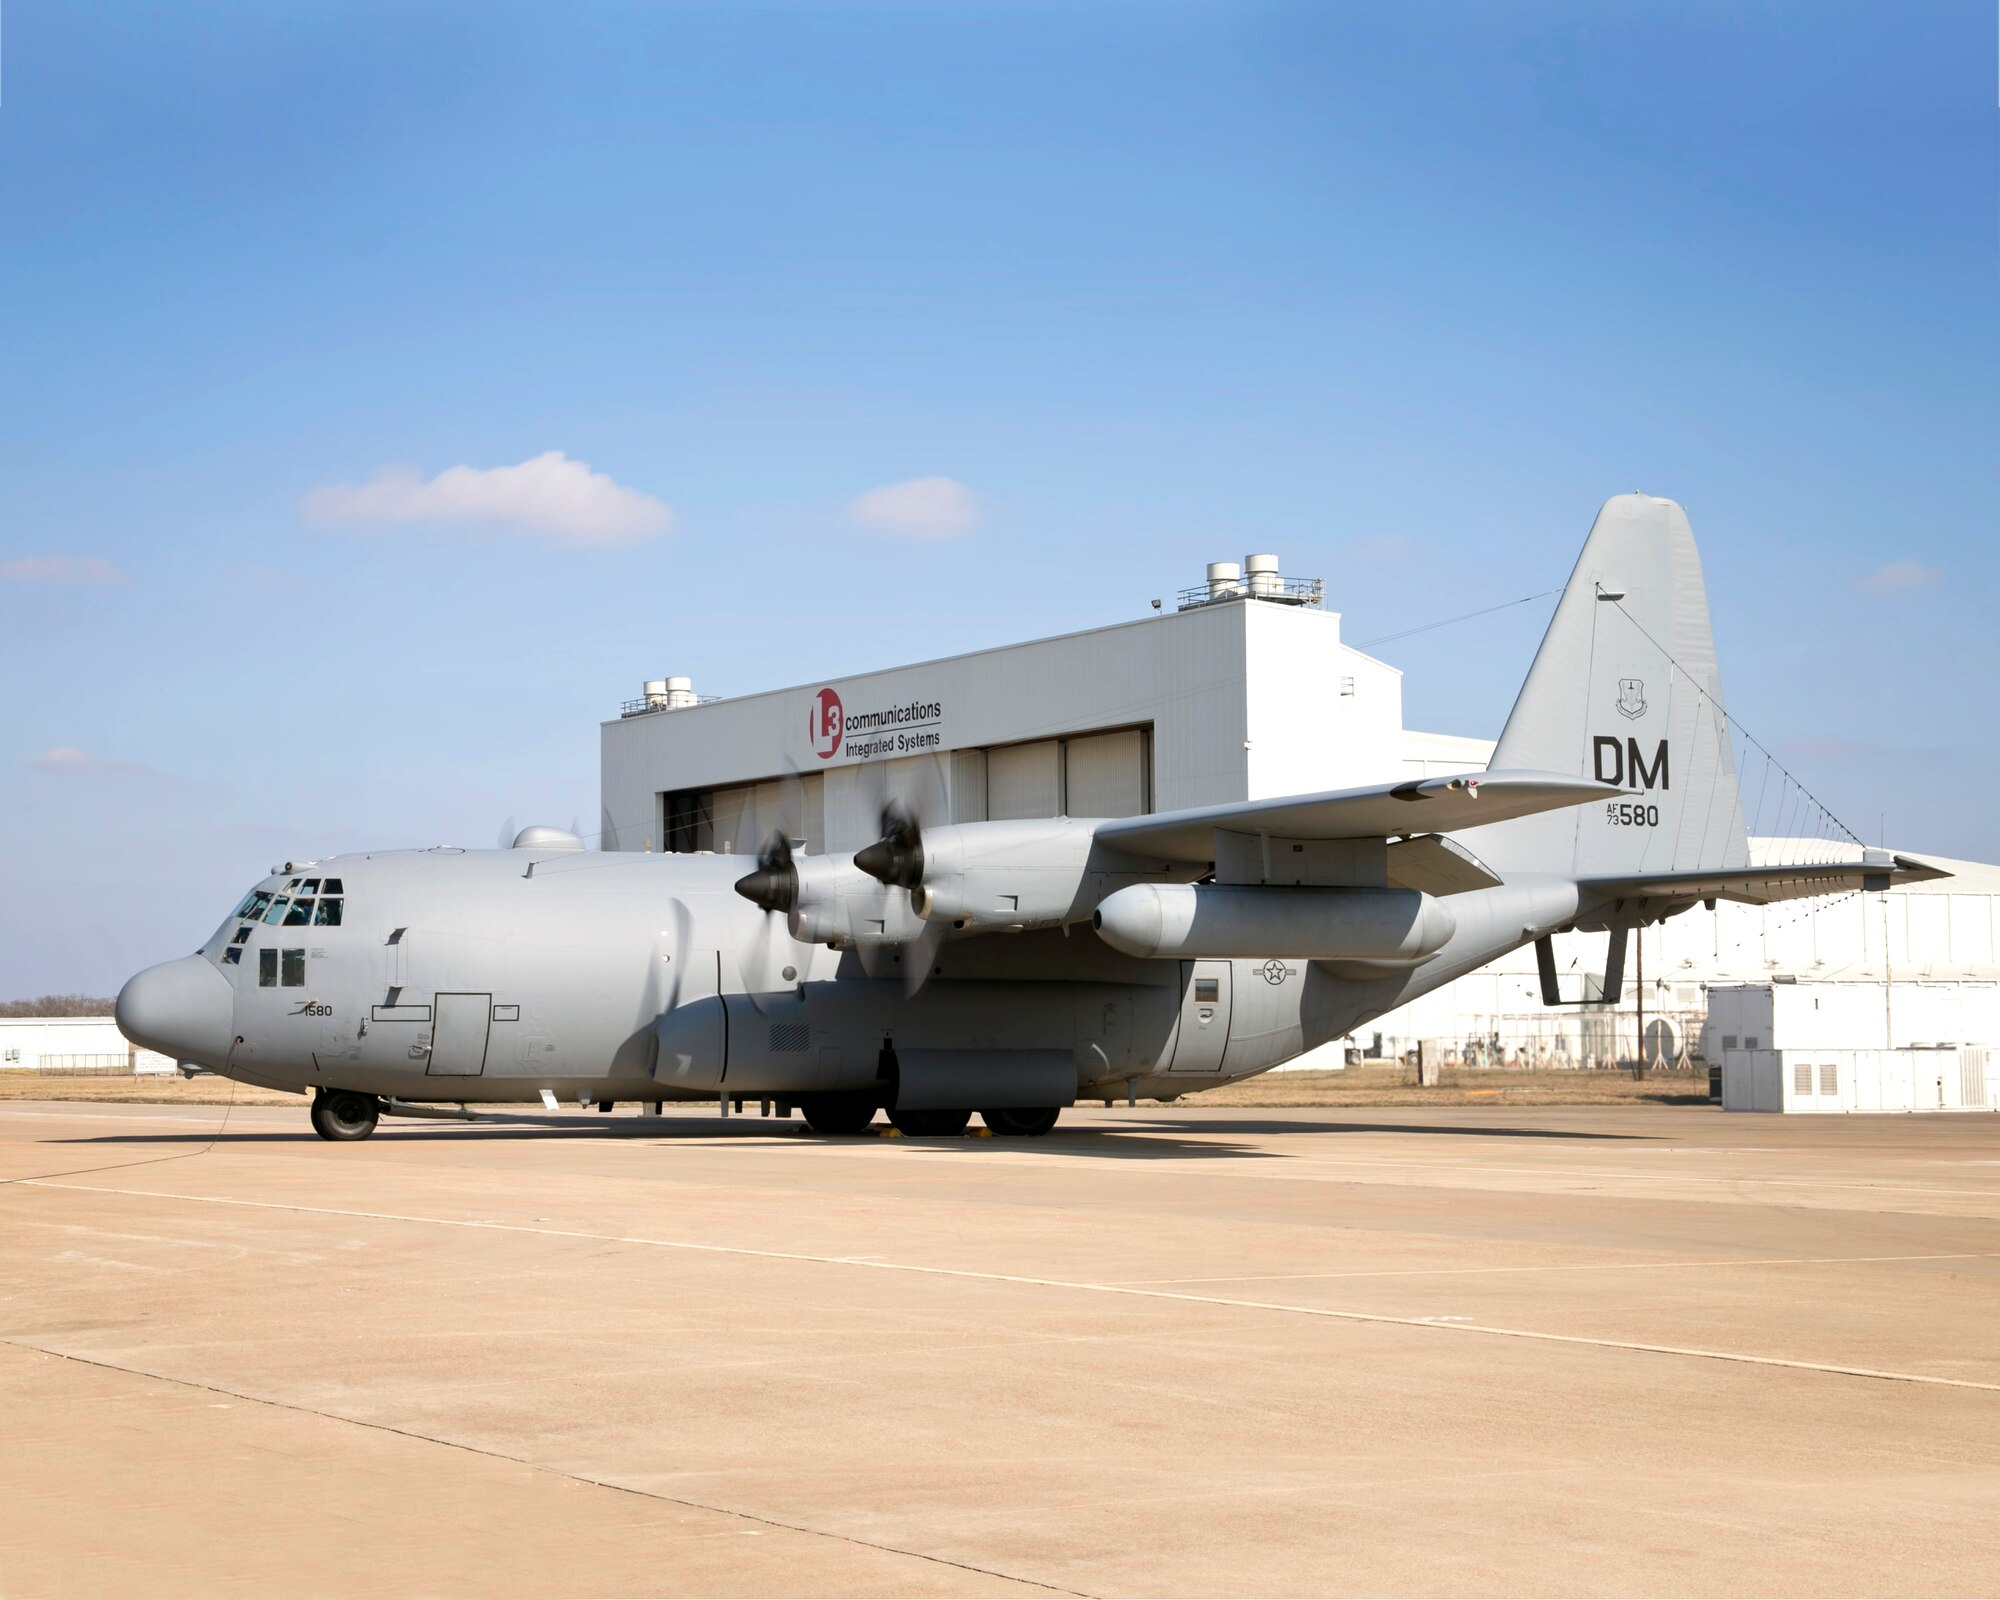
point(254, 904)
point(327, 913)
point(242, 936)
point(294, 965)
point(279, 906)
point(232, 955)
point(300, 915)
point(267, 969)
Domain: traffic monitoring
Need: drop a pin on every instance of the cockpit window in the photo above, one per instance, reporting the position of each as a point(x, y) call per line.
point(300, 915)
point(328, 913)
point(310, 886)
point(276, 914)
point(267, 969)
point(242, 936)
point(232, 955)
point(332, 886)
point(295, 969)
point(254, 904)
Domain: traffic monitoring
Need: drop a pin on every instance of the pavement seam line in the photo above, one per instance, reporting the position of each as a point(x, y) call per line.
point(521, 1461)
point(1574, 1266)
point(1693, 1352)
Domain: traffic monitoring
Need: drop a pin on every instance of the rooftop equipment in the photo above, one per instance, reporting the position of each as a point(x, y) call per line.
point(1257, 578)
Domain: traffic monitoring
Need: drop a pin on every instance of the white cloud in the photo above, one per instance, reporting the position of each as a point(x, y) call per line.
point(547, 497)
point(67, 758)
point(61, 569)
point(922, 508)
point(1900, 577)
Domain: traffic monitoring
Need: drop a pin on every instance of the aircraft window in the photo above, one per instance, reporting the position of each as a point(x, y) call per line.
point(232, 955)
point(310, 886)
point(328, 914)
point(242, 936)
point(295, 969)
point(300, 915)
point(1207, 990)
point(253, 904)
point(292, 883)
point(267, 969)
point(276, 914)
point(331, 886)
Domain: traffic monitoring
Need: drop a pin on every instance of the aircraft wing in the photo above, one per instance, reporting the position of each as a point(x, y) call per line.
point(1388, 811)
point(1759, 886)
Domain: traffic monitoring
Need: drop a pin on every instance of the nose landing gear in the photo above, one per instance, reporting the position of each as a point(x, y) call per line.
point(344, 1114)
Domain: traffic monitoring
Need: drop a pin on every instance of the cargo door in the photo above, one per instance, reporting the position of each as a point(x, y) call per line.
point(1204, 1024)
point(460, 1024)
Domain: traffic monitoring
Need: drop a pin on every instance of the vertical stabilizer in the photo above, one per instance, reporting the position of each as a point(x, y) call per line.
point(1624, 689)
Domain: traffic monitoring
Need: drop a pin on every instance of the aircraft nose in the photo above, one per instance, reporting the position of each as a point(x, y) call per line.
point(180, 1008)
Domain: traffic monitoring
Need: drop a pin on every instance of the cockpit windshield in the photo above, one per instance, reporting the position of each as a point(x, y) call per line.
point(304, 902)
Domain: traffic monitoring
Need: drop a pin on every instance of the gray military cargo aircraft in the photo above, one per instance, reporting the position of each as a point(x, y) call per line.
point(1008, 968)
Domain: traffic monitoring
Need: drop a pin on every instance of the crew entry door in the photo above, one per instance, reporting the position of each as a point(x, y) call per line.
point(1204, 1025)
point(459, 1025)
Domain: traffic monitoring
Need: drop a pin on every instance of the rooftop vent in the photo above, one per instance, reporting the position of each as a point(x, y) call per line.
point(1257, 578)
point(664, 694)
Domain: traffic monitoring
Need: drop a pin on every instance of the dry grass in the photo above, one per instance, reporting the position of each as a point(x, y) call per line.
point(1396, 1085)
point(1389, 1085)
point(206, 1090)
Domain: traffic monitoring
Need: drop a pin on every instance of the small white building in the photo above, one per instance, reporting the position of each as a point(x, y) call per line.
point(74, 1046)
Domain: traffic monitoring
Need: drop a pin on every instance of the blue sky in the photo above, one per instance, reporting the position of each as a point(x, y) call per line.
point(1402, 292)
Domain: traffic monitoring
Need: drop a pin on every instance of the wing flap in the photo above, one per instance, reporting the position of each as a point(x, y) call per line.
point(1438, 866)
point(1388, 811)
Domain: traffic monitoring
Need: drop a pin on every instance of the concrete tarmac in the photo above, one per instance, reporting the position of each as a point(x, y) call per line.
point(1565, 1350)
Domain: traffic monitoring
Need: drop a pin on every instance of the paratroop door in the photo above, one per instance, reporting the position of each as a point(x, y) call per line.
point(459, 1026)
point(1204, 1026)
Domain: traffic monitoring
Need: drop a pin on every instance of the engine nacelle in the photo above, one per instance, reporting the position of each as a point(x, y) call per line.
point(1389, 927)
point(1032, 874)
point(840, 905)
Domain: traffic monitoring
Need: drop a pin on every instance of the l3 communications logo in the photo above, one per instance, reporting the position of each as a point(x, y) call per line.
point(826, 724)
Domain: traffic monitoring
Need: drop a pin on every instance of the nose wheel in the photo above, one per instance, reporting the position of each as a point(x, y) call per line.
point(344, 1114)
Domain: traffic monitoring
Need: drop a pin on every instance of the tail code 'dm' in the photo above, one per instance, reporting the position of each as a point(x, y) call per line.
point(1623, 764)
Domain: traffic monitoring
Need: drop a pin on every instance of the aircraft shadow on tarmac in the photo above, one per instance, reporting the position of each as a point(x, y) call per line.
point(1136, 1140)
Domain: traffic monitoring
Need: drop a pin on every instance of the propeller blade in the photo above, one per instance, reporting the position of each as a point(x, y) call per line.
point(920, 956)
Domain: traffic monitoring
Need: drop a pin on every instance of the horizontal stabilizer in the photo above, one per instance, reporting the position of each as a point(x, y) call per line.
point(1388, 811)
point(1762, 886)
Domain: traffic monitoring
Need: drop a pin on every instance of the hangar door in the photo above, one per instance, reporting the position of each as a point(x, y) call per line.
point(1086, 775)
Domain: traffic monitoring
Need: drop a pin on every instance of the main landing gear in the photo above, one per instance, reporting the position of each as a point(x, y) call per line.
point(1029, 1122)
point(930, 1124)
point(344, 1114)
point(851, 1113)
point(837, 1113)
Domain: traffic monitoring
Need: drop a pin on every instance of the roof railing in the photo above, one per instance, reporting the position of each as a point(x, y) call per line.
point(1257, 586)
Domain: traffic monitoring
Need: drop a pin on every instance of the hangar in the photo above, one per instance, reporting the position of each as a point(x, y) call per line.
point(1242, 690)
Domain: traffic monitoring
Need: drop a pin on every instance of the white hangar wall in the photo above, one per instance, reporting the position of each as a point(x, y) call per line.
point(1219, 702)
